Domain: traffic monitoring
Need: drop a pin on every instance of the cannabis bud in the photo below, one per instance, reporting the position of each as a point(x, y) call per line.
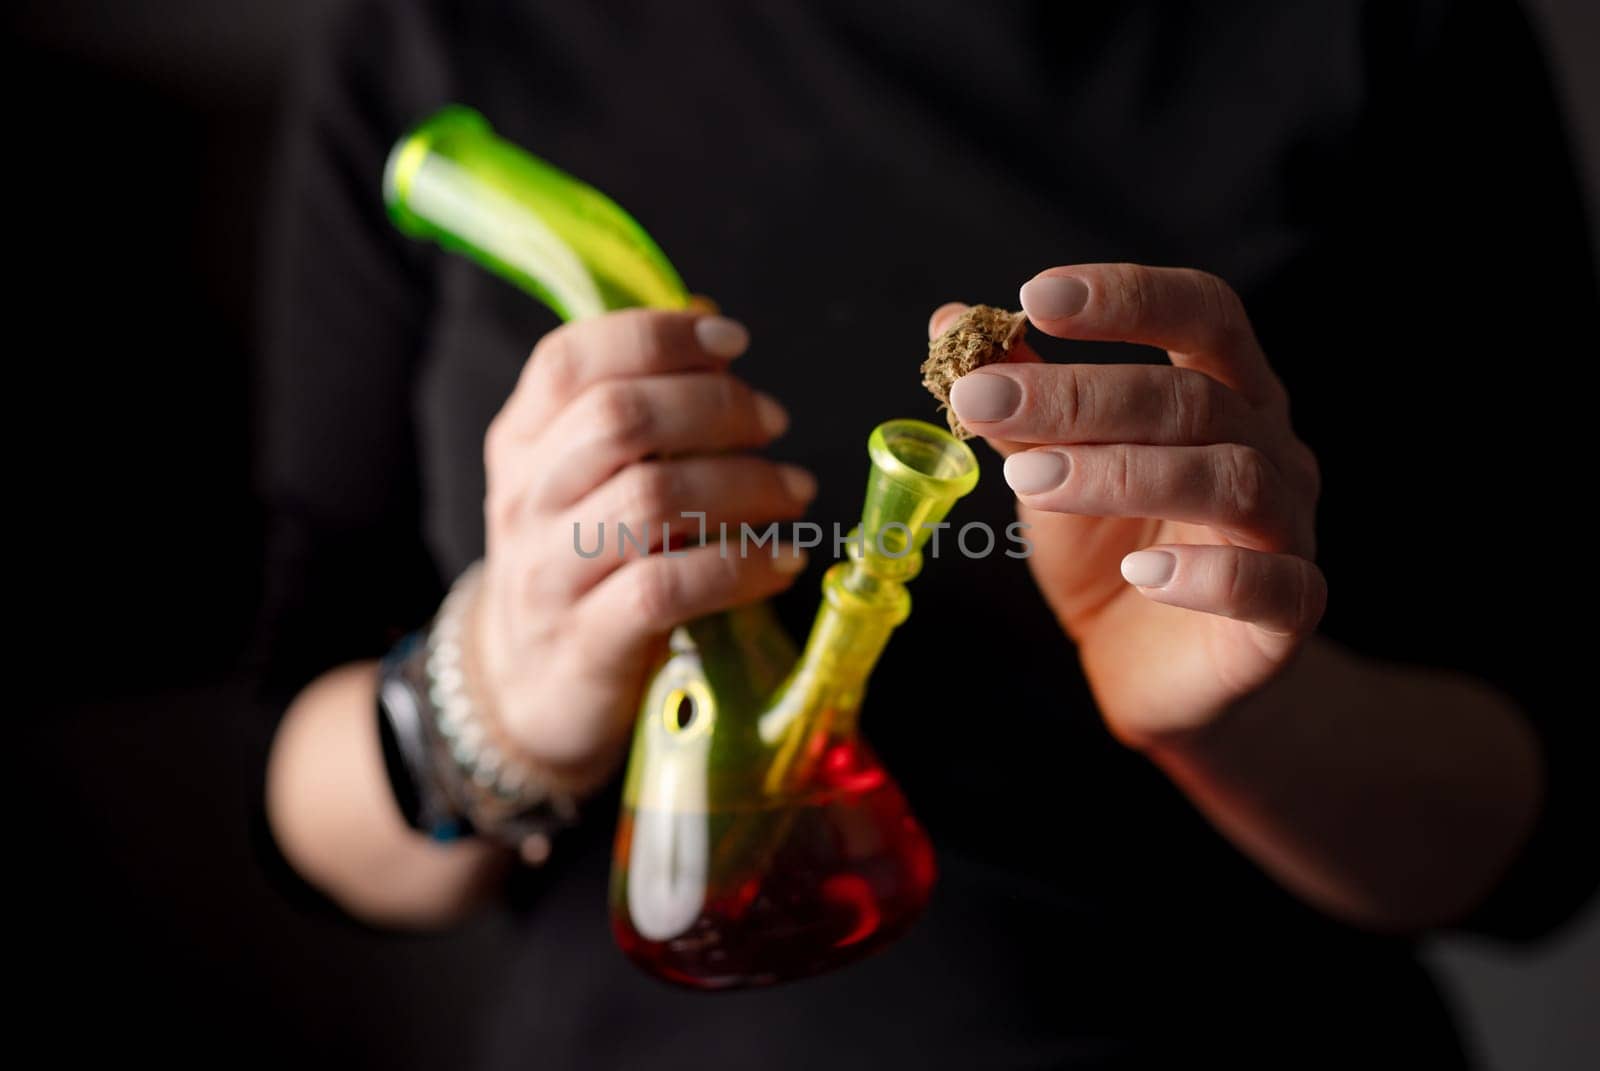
point(981, 335)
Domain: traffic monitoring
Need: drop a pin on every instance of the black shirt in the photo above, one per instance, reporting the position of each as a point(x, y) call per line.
point(1386, 185)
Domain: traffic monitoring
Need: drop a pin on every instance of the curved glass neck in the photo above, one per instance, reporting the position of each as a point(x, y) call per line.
point(453, 180)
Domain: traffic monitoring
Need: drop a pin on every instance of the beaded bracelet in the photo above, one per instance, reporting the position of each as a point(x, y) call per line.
point(466, 766)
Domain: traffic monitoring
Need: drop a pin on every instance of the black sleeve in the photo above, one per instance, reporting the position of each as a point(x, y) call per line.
point(1446, 400)
point(343, 319)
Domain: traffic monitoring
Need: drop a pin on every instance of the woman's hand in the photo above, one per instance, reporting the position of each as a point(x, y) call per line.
point(631, 417)
point(1171, 507)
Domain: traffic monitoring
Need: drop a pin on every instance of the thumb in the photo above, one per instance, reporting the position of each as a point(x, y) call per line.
point(943, 317)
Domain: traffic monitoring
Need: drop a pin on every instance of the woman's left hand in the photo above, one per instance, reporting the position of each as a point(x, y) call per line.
point(1170, 507)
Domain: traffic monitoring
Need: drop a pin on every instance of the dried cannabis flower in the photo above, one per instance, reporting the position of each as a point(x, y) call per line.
point(981, 335)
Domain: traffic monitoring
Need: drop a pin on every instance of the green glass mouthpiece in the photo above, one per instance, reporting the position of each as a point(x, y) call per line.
point(453, 180)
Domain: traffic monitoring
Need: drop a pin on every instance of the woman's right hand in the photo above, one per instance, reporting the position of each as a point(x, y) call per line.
point(630, 417)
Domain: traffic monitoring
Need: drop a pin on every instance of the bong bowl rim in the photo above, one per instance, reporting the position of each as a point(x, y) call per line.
point(890, 463)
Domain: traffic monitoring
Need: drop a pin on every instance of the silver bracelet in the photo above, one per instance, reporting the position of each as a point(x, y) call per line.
point(506, 796)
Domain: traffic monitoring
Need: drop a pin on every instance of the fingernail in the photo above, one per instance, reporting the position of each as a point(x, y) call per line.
point(790, 560)
point(1149, 568)
point(1053, 297)
point(1033, 471)
point(774, 420)
point(721, 337)
point(801, 485)
point(981, 396)
point(535, 849)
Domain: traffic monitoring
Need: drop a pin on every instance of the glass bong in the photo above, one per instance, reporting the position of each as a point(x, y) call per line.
point(760, 839)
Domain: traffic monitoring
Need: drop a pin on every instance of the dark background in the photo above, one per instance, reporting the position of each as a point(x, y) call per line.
point(141, 139)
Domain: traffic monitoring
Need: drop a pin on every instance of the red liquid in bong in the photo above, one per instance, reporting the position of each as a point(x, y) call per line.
point(777, 893)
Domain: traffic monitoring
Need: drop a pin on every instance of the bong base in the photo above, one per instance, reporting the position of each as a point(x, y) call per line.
point(826, 878)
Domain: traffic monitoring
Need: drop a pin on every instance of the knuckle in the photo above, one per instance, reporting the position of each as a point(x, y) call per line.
point(495, 444)
point(1244, 483)
point(1072, 399)
point(1277, 392)
point(503, 502)
point(1194, 404)
point(557, 577)
point(1236, 583)
point(501, 510)
point(731, 573)
point(1306, 467)
point(1131, 285)
point(639, 332)
point(655, 590)
point(748, 399)
point(720, 573)
point(532, 591)
point(1219, 305)
point(653, 491)
point(622, 412)
point(552, 361)
point(737, 402)
point(729, 395)
point(1313, 596)
point(1119, 479)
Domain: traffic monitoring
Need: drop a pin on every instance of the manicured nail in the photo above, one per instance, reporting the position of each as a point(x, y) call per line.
point(721, 337)
point(1053, 297)
point(980, 396)
point(774, 420)
point(801, 485)
point(1149, 568)
point(1033, 471)
point(790, 560)
point(535, 849)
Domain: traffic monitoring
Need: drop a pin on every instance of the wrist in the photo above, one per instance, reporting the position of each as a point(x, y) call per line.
point(1276, 722)
point(492, 682)
point(1259, 719)
point(458, 772)
point(409, 745)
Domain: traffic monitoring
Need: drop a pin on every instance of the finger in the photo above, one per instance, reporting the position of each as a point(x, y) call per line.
point(628, 612)
point(1231, 488)
point(618, 422)
point(1194, 316)
point(1089, 403)
point(1281, 594)
point(944, 316)
point(630, 342)
point(683, 499)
